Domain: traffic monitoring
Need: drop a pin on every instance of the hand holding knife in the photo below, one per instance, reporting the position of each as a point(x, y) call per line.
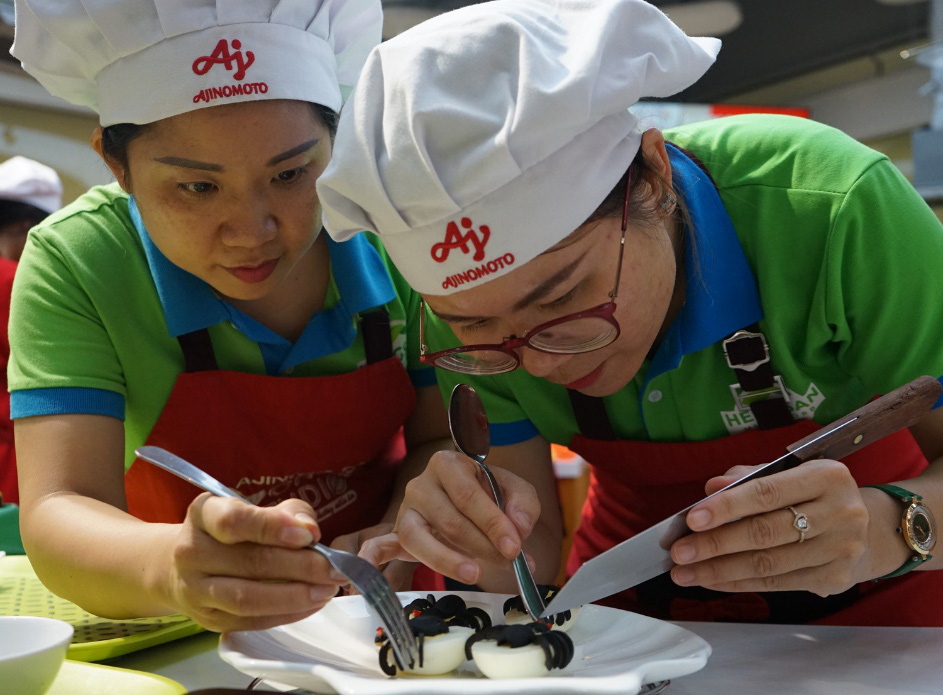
point(647, 554)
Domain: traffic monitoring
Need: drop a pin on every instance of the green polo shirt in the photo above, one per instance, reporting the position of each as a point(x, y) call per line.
point(97, 308)
point(818, 238)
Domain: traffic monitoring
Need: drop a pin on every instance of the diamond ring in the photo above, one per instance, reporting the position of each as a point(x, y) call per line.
point(801, 523)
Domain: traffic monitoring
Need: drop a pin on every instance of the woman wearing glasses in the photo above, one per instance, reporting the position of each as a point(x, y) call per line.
point(675, 307)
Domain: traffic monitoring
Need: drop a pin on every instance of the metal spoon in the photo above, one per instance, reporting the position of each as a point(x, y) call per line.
point(469, 426)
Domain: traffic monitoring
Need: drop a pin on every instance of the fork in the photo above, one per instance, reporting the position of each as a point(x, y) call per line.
point(363, 576)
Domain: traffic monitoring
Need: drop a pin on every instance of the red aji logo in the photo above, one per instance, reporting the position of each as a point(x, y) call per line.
point(222, 56)
point(455, 240)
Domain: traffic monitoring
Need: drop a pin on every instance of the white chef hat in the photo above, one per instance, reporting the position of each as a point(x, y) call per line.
point(480, 138)
point(26, 181)
point(137, 61)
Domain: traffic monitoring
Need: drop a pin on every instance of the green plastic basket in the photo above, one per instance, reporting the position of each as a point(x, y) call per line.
point(95, 639)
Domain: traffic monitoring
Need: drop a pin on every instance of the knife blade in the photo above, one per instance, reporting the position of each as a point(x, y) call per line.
point(647, 554)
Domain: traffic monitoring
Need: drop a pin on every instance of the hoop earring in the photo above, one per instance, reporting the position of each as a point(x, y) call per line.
point(668, 202)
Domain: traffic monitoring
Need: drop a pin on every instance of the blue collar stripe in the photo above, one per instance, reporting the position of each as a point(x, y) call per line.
point(721, 294)
point(189, 304)
point(505, 433)
point(328, 333)
point(360, 274)
point(273, 354)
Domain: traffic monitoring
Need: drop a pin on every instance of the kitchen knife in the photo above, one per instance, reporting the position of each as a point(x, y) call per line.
point(647, 554)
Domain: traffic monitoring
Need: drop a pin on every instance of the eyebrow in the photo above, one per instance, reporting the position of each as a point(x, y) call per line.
point(188, 163)
point(550, 283)
point(454, 318)
point(209, 166)
point(537, 293)
point(303, 147)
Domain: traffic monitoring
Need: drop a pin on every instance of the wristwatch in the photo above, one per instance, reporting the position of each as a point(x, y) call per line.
point(917, 526)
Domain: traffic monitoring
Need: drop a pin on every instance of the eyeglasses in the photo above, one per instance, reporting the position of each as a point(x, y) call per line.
point(572, 334)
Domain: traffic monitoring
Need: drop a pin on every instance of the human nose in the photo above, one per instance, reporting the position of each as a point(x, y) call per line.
point(249, 223)
point(538, 363)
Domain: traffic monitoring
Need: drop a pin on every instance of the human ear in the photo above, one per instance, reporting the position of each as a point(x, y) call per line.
point(656, 156)
point(118, 171)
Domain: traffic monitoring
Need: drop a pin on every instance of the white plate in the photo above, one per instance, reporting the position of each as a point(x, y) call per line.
point(333, 652)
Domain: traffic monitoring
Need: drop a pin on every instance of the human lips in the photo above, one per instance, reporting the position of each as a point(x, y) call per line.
point(254, 273)
point(587, 380)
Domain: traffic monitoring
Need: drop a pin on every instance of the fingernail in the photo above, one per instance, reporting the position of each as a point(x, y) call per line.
point(295, 535)
point(468, 572)
point(530, 563)
point(322, 593)
point(699, 519)
point(306, 519)
point(682, 575)
point(508, 547)
point(684, 552)
point(338, 577)
point(523, 521)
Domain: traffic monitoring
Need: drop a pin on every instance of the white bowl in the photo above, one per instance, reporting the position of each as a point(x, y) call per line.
point(31, 652)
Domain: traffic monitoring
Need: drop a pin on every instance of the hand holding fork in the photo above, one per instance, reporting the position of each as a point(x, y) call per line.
point(363, 576)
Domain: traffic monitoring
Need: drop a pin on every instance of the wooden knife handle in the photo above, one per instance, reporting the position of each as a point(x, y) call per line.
point(883, 416)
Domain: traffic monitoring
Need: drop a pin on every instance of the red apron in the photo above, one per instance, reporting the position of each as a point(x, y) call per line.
point(634, 485)
point(333, 441)
point(8, 479)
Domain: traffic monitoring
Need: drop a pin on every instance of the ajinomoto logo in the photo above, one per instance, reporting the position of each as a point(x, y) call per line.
point(229, 54)
point(221, 55)
point(454, 239)
point(472, 241)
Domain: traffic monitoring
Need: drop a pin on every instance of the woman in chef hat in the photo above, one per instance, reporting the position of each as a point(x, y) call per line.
point(193, 305)
point(673, 306)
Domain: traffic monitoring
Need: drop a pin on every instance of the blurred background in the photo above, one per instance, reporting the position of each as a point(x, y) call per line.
point(868, 67)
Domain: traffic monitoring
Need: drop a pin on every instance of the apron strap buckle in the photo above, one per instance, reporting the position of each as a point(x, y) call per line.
point(758, 389)
point(744, 399)
point(746, 350)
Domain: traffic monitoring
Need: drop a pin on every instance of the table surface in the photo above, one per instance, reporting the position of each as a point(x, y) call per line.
point(768, 659)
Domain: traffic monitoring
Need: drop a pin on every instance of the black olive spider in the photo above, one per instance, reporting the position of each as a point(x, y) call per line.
point(451, 608)
point(422, 626)
point(516, 603)
point(557, 645)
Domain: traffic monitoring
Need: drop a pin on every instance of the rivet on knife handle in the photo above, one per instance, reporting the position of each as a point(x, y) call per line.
point(893, 411)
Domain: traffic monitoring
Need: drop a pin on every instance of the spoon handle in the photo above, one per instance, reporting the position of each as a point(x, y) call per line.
point(495, 488)
point(533, 601)
point(469, 427)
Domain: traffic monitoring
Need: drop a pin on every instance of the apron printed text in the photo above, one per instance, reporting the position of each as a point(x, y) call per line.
point(802, 406)
point(326, 491)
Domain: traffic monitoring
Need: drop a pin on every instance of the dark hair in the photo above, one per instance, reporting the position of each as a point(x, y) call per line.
point(645, 205)
point(116, 138)
point(14, 212)
point(645, 209)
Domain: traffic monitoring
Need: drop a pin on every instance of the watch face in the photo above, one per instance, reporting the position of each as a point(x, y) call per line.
point(921, 528)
